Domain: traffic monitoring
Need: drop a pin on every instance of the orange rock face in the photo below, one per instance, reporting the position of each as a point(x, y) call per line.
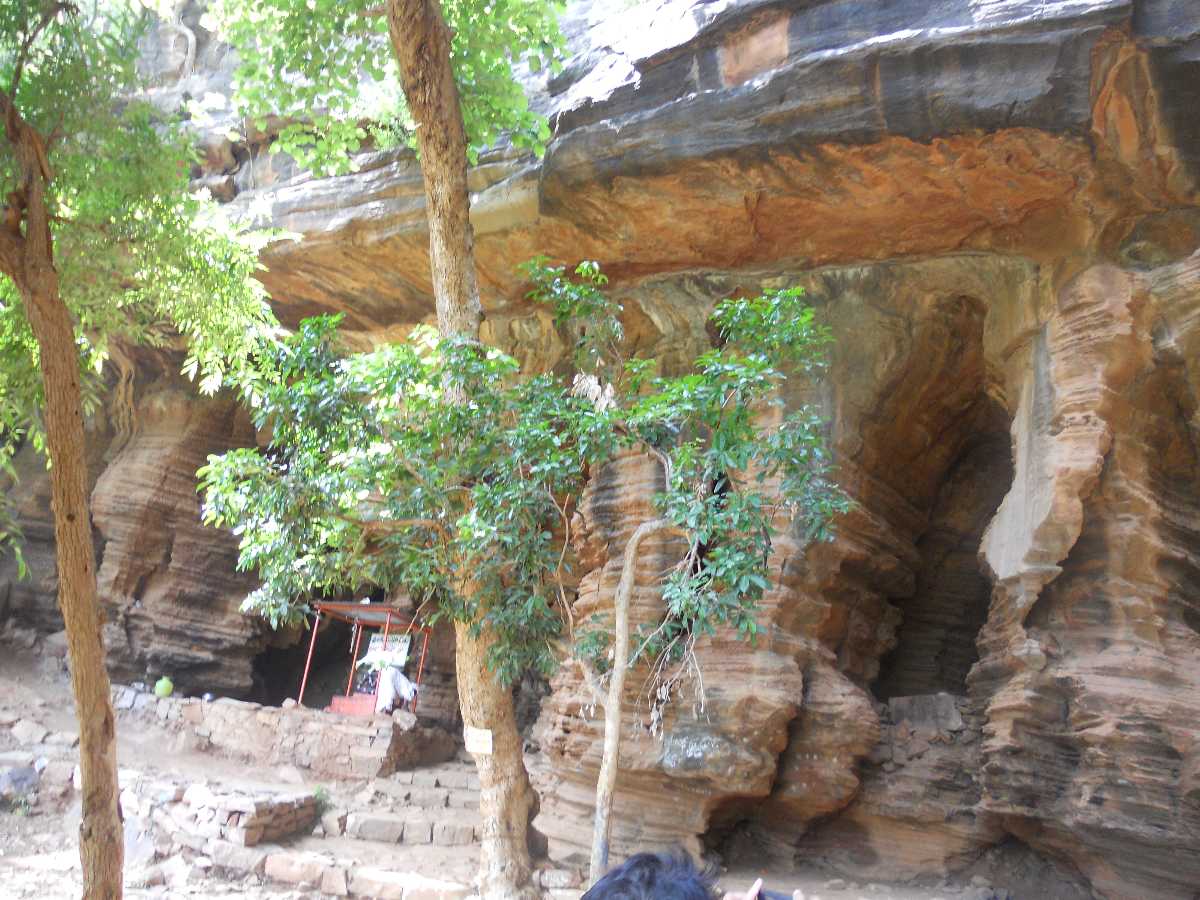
point(1018, 561)
point(170, 585)
point(995, 208)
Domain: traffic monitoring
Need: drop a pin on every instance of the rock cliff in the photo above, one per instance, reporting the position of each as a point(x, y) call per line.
point(994, 205)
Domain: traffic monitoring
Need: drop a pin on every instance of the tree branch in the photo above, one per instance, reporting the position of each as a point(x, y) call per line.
point(391, 526)
point(48, 15)
point(28, 201)
point(11, 247)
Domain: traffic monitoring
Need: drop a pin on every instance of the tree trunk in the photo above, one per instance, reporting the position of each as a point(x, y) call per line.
point(606, 782)
point(101, 838)
point(506, 799)
point(28, 259)
point(421, 43)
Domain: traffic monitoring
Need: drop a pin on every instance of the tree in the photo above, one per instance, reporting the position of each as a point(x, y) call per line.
point(306, 61)
point(99, 242)
point(378, 474)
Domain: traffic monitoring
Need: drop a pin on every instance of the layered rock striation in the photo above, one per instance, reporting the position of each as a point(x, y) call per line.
point(169, 584)
point(994, 206)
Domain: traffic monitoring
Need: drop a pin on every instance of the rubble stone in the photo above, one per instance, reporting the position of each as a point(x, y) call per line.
point(27, 731)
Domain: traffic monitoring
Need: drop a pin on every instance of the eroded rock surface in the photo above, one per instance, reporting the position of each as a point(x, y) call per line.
point(169, 584)
point(994, 205)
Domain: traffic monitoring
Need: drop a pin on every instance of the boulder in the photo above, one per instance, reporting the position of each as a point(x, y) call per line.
point(55, 645)
point(17, 782)
point(27, 731)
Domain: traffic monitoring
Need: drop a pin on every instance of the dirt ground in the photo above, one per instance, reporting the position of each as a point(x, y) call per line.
point(38, 853)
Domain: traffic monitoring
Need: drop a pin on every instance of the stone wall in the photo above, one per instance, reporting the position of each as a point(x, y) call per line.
point(325, 744)
point(193, 814)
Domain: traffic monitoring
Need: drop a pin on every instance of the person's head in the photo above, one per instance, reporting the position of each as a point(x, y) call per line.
point(655, 876)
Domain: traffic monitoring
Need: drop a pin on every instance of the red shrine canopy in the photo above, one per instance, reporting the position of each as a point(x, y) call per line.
point(398, 630)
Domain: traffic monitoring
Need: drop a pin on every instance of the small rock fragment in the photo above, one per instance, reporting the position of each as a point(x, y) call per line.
point(28, 731)
point(18, 782)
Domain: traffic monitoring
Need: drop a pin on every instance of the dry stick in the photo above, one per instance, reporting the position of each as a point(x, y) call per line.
point(606, 782)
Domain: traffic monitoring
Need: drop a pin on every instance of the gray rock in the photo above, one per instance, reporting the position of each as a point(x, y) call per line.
point(28, 731)
point(559, 879)
point(334, 822)
point(23, 637)
point(62, 739)
point(932, 712)
point(55, 644)
point(18, 782)
point(15, 759)
point(139, 845)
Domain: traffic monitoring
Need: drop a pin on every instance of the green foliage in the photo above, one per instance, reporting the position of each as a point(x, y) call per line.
point(325, 67)
point(322, 800)
point(374, 476)
point(583, 310)
point(593, 644)
point(736, 460)
point(140, 260)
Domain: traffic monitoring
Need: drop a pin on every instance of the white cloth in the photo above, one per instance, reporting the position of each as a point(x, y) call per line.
point(393, 687)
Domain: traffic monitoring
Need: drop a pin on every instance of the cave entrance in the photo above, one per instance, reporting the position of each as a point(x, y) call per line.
point(935, 646)
point(277, 670)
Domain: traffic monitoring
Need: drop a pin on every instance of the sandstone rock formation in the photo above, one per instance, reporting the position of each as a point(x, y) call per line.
point(995, 206)
point(169, 584)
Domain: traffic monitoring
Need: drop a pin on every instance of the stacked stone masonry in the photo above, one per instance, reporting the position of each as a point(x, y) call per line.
point(424, 806)
point(328, 745)
point(191, 815)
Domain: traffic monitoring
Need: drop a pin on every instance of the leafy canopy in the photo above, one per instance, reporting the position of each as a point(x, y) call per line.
point(140, 260)
point(325, 69)
point(373, 477)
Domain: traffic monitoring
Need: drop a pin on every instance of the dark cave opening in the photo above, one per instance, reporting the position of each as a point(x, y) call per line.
point(279, 669)
point(935, 643)
point(907, 596)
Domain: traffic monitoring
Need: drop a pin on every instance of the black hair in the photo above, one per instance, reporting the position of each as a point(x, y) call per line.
point(655, 876)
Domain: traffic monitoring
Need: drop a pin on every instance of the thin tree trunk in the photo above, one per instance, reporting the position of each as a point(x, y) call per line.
point(610, 758)
point(506, 799)
point(421, 43)
point(28, 259)
point(101, 838)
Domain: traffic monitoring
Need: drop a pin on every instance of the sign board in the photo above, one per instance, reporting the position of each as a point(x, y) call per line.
point(478, 740)
point(396, 649)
